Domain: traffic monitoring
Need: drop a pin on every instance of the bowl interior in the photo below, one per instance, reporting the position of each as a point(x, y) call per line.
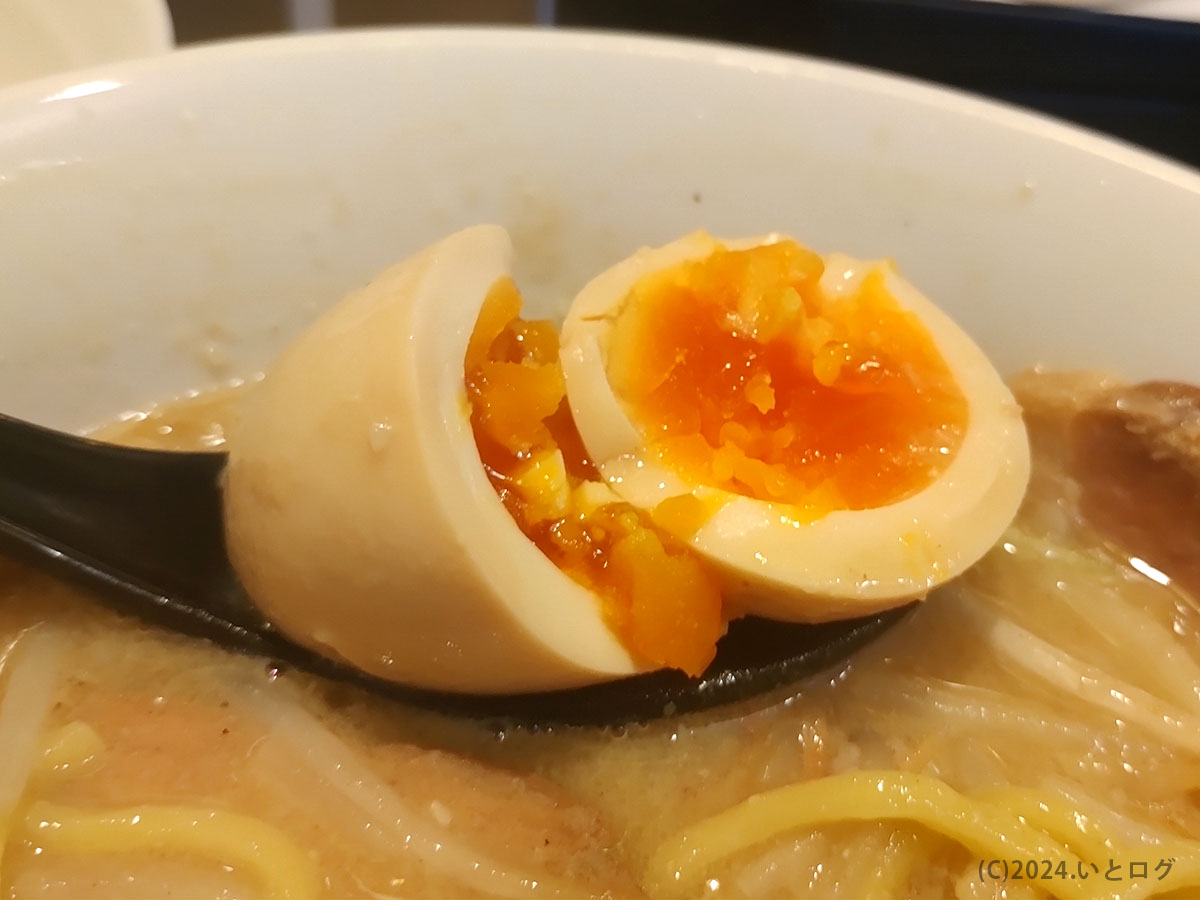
point(169, 223)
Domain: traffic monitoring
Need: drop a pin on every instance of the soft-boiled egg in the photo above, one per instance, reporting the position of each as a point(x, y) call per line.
point(360, 517)
point(814, 429)
point(429, 487)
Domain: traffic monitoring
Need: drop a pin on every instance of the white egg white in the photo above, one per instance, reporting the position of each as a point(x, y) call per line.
point(359, 515)
point(774, 562)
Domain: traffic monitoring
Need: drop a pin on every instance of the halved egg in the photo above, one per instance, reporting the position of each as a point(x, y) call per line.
point(814, 429)
point(359, 513)
point(426, 485)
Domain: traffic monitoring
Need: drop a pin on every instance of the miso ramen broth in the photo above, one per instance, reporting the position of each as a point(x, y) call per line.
point(1039, 716)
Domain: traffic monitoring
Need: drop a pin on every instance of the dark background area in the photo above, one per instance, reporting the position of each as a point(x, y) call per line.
point(1135, 78)
point(205, 20)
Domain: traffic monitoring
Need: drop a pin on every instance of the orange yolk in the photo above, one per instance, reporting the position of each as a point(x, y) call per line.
point(660, 600)
point(743, 374)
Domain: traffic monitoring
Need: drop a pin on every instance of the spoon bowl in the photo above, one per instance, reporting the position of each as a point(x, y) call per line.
point(145, 529)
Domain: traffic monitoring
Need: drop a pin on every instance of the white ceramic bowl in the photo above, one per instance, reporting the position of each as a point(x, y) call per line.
point(168, 223)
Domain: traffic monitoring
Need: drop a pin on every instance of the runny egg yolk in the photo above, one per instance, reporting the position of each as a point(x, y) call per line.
point(657, 597)
point(743, 373)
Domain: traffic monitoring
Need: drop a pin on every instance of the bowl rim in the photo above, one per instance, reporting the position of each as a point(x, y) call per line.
point(24, 97)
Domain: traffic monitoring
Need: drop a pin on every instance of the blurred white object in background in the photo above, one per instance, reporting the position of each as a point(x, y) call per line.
point(41, 37)
point(1180, 10)
point(311, 15)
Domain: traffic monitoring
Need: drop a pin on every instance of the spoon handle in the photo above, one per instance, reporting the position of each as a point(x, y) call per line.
point(145, 526)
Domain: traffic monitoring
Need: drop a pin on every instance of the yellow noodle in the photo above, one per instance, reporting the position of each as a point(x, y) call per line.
point(1057, 817)
point(967, 887)
point(74, 745)
point(223, 837)
point(1184, 873)
point(1133, 846)
point(30, 679)
point(1121, 827)
point(1060, 816)
point(680, 862)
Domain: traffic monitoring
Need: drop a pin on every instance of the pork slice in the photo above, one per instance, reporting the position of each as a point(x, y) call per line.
point(1135, 452)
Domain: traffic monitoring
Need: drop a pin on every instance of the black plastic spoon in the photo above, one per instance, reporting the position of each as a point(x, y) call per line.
point(145, 528)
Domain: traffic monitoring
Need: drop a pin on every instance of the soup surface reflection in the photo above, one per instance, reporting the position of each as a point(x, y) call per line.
point(1039, 716)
